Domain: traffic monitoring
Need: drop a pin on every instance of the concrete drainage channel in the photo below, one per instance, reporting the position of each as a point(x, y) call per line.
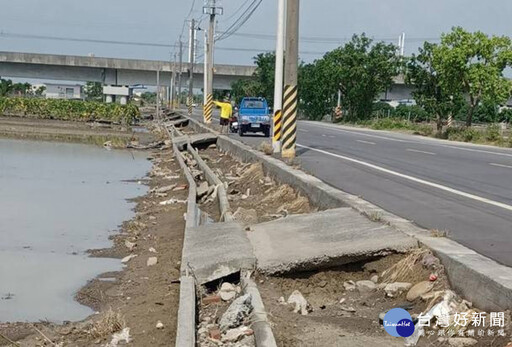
point(465, 269)
point(215, 250)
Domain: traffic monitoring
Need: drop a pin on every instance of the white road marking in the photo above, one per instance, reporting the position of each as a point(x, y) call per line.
point(332, 136)
point(367, 142)
point(323, 135)
point(415, 179)
point(358, 133)
point(476, 150)
point(417, 151)
point(304, 131)
point(501, 165)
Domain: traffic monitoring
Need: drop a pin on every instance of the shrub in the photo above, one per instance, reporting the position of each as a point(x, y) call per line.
point(493, 133)
point(75, 110)
point(462, 134)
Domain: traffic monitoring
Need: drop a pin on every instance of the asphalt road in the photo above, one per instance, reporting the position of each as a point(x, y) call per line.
point(463, 189)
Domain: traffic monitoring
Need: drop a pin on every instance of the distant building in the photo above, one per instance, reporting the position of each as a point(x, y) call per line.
point(63, 91)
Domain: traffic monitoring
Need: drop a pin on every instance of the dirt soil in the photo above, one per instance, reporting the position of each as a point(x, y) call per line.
point(341, 317)
point(68, 131)
point(253, 193)
point(141, 296)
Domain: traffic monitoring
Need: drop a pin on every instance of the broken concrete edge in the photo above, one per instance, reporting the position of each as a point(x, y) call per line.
point(466, 269)
point(212, 179)
point(263, 335)
point(186, 329)
point(175, 132)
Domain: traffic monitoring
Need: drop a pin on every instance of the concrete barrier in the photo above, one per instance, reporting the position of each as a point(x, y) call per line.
point(479, 279)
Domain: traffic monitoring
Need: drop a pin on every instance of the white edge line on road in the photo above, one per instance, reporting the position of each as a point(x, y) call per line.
point(501, 165)
point(417, 151)
point(304, 131)
point(357, 133)
point(475, 150)
point(367, 142)
point(414, 179)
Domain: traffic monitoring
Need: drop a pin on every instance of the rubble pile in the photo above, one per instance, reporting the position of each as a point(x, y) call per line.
point(224, 318)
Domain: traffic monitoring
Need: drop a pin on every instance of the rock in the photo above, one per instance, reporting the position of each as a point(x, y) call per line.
point(349, 285)
point(227, 291)
point(322, 283)
point(152, 250)
point(281, 300)
point(233, 335)
point(152, 218)
point(213, 146)
point(130, 245)
point(458, 341)
point(365, 286)
point(396, 288)
point(429, 260)
point(172, 201)
point(180, 187)
point(301, 304)
point(214, 334)
point(236, 312)
point(375, 278)
point(202, 189)
point(246, 216)
point(210, 299)
point(430, 296)
point(128, 258)
point(152, 261)
point(419, 289)
point(159, 325)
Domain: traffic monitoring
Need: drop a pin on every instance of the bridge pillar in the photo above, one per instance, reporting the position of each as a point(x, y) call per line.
point(123, 100)
point(108, 99)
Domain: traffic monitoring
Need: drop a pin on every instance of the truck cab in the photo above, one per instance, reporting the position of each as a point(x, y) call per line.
point(254, 116)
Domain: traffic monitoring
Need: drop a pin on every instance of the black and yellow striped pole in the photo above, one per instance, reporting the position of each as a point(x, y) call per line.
point(290, 95)
point(189, 105)
point(276, 133)
point(208, 109)
point(289, 121)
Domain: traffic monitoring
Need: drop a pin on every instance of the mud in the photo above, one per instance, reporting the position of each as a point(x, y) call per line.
point(140, 296)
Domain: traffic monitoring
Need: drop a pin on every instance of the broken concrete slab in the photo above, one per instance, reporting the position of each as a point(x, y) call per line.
point(213, 251)
point(324, 239)
point(195, 139)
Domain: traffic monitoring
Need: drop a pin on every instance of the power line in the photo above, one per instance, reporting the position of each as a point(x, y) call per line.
point(241, 20)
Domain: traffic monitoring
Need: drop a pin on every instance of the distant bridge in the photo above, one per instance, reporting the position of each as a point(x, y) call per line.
point(111, 71)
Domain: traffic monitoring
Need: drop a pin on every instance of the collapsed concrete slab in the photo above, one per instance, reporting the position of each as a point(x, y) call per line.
point(213, 251)
point(324, 239)
point(195, 139)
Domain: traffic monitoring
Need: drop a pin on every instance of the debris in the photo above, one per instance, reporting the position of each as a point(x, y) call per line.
point(246, 216)
point(396, 288)
point(202, 190)
point(236, 312)
point(159, 325)
point(152, 250)
point(123, 335)
point(128, 258)
point(322, 283)
point(180, 187)
point(164, 189)
point(432, 277)
point(281, 300)
point(211, 299)
point(419, 289)
point(365, 286)
point(458, 341)
point(300, 302)
point(233, 335)
point(152, 261)
point(429, 260)
point(348, 308)
point(130, 245)
point(227, 291)
point(172, 201)
point(214, 334)
point(266, 148)
point(349, 285)
point(342, 300)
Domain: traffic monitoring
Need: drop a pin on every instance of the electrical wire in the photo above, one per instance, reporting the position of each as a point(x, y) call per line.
point(241, 20)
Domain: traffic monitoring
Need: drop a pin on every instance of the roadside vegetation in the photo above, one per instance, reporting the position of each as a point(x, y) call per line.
point(74, 110)
point(462, 78)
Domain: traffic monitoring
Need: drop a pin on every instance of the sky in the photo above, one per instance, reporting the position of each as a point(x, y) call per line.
point(324, 25)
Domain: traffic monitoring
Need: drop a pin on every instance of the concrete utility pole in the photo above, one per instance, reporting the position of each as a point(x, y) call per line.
point(192, 42)
point(158, 94)
point(173, 82)
point(211, 9)
point(290, 95)
point(278, 81)
point(179, 75)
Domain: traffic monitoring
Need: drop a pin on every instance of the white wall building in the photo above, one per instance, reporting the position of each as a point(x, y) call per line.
point(63, 91)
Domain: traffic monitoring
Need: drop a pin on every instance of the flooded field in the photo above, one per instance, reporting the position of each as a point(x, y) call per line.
point(57, 201)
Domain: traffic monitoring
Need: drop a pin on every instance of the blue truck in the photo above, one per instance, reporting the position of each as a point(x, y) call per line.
point(254, 116)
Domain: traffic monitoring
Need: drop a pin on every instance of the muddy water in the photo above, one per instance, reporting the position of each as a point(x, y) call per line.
point(57, 201)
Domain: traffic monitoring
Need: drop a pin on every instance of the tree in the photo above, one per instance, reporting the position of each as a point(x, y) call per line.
point(473, 64)
point(21, 88)
point(428, 92)
point(262, 83)
point(361, 70)
point(5, 87)
point(316, 97)
point(40, 90)
point(93, 91)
